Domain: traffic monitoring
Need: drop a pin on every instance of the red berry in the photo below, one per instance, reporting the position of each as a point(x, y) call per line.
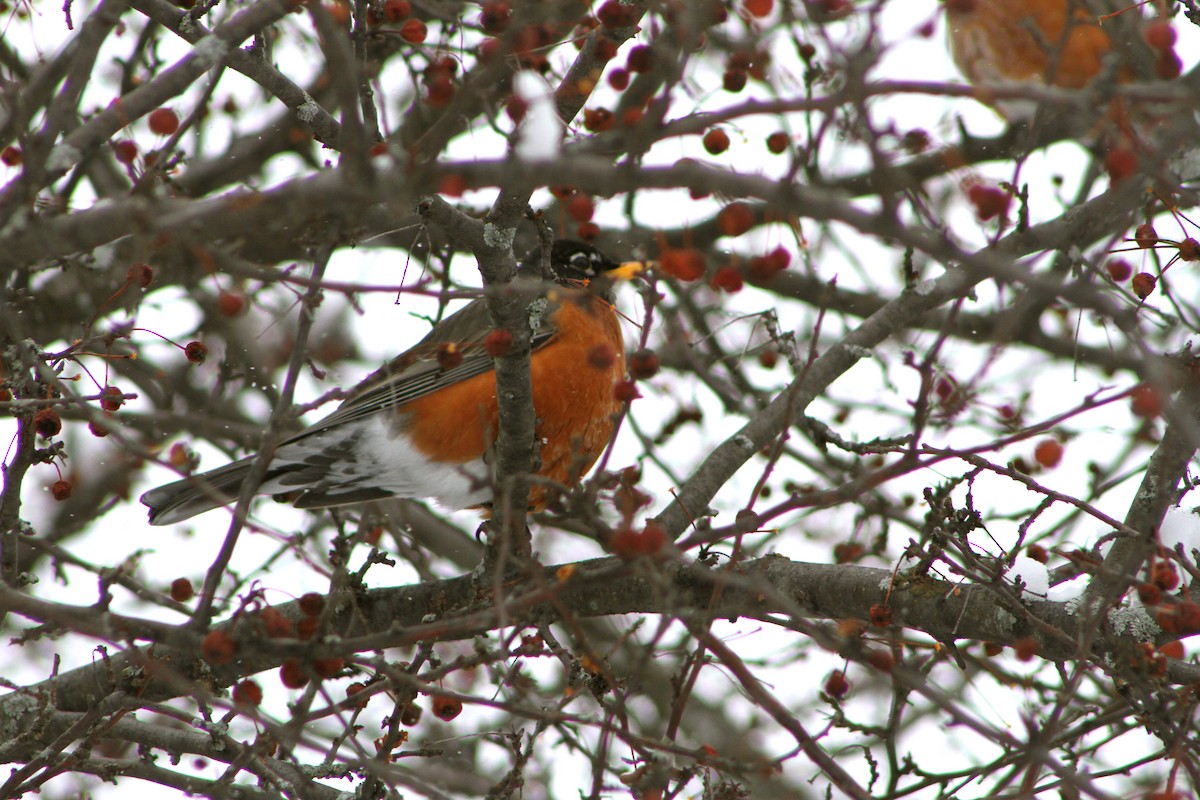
point(716, 141)
point(141, 274)
point(1037, 553)
point(778, 142)
point(1145, 236)
point(357, 688)
point(218, 647)
point(275, 624)
point(1168, 65)
point(292, 675)
point(10, 156)
point(619, 79)
point(311, 604)
point(498, 342)
point(125, 151)
point(1145, 401)
point(60, 490)
point(880, 615)
point(1120, 163)
point(615, 14)
point(1026, 648)
point(444, 707)
point(327, 668)
point(734, 80)
point(231, 303)
point(598, 120)
point(1149, 594)
point(628, 544)
point(641, 59)
point(494, 16)
point(727, 279)
point(836, 685)
point(1189, 250)
point(581, 208)
point(164, 121)
point(413, 31)
point(847, 552)
point(625, 391)
point(1160, 35)
point(735, 219)
point(47, 423)
point(1048, 453)
point(989, 201)
point(1172, 649)
point(182, 590)
point(1164, 575)
point(684, 264)
point(1143, 285)
point(881, 660)
point(247, 693)
point(111, 399)
point(1119, 270)
point(758, 8)
point(396, 10)
point(643, 364)
point(195, 352)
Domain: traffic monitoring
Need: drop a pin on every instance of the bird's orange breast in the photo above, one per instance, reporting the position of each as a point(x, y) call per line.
point(1047, 41)
point(572, 398)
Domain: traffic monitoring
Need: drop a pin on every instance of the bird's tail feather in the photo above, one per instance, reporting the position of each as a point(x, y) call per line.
point(175, 502)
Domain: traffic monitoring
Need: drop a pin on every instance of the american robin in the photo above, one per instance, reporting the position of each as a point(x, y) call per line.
point(1065, 43)
point(1053, 42)
point(423, 425)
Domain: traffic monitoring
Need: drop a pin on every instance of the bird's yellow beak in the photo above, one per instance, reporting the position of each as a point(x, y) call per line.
point(629, 270)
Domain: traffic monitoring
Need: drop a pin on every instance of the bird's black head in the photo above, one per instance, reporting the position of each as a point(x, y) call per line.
point(573, 261)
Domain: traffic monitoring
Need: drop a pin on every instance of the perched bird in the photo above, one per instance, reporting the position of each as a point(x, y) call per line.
point(1058, 43)
point(424, 424)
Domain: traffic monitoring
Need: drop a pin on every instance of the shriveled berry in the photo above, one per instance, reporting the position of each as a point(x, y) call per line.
point(111, 399)
point(1145, 235)
point(11, 156)
point(445, 707)
point(141, 274)
point(47, 423)
point(60, 490)
point(643, 364)
point(1143, 285)
point(327, 668)
point(989, 201)
point(195, 352)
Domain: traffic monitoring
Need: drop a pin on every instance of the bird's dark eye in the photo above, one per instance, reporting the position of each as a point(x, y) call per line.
point(581, 262)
